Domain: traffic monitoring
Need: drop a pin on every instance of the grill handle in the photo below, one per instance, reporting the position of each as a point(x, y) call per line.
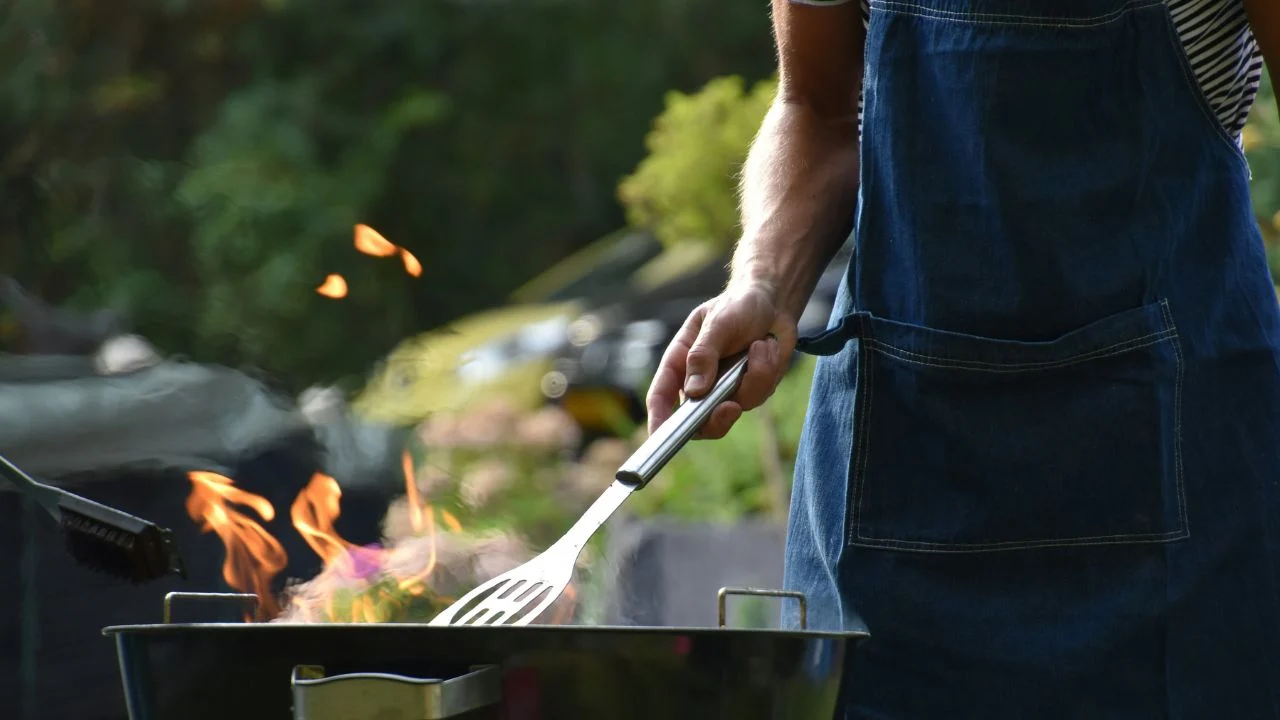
point(368, 696)
point(799, 597)
point(654, 453)
point(249, 599)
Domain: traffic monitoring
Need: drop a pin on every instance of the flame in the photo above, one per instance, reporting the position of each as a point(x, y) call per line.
point(253, 555)
point(450, 521)
point(411, 492)
point(334, 286)
point(370, 579)
point(314, 512)
point(358, 584)
point(371, 242)
point(411, 264)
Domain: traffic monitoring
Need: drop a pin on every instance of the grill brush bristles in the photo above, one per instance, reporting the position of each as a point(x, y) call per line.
point(100, 537)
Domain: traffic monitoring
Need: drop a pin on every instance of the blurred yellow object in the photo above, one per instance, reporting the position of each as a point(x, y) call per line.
point(1250, 137)
point(598, 409)
point(605, 263)
point(674, 263)
point(505, 353)
point(497, 353)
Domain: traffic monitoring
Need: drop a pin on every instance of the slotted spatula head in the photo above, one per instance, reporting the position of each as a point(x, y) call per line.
point(506, 599)
point(518, 596)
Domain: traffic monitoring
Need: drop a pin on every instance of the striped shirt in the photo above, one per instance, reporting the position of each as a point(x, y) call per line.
point(1219, 45)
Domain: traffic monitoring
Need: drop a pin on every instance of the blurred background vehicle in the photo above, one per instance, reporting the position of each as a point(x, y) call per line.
point(507, 352)
point(601, 375)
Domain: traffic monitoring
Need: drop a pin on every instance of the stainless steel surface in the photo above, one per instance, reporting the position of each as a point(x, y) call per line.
point(764, 592)
point(550, 672)
point(378, 696)
point(666, 441)
point(249, 598)
point(504, 599)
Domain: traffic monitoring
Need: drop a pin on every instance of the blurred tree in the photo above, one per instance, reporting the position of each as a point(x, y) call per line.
point(1262, 145)
point(199, 166)
point(685, 189)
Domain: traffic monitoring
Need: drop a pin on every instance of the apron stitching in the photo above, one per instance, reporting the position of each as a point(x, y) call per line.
point(855, 531)
point(865, 379)
point(1016, 367)
point(907, 8)
point(925, 545)
point(1177, 422)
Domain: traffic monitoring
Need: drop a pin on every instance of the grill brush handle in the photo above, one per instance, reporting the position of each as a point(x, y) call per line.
point(679, 429)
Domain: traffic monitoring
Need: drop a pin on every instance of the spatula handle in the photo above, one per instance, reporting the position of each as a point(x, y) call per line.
point(683, 424)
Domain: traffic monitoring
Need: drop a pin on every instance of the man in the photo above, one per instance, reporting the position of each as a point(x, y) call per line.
point(1042, 457)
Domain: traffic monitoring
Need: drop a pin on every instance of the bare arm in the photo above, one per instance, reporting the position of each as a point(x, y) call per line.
point(799, 184)
point(1264, 16)
point(798, 194)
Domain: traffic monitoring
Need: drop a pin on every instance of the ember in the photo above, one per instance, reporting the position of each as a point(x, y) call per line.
point(371, 242)
point(411, 264)
point(334, 286)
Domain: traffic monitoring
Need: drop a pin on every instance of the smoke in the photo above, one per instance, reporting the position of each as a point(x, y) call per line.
point(494, 462)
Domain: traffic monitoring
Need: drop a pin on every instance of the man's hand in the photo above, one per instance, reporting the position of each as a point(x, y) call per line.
point(742, 317)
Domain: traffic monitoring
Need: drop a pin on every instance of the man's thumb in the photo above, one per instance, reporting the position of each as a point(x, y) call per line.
point(703, 362)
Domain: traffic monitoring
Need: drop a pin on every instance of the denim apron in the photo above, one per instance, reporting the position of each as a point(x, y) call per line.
point(1041, 463)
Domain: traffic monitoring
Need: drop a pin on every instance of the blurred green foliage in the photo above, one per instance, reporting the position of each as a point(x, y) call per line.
point(201, 165)
point(686, 187)
point(1262, 145)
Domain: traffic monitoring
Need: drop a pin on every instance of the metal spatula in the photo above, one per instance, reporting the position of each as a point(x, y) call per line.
point(508, 596)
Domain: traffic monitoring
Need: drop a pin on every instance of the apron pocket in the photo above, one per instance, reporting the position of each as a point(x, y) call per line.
point(969, 444)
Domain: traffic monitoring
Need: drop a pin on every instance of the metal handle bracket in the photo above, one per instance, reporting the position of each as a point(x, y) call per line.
point(368, 696)
point(799, 597)
point(249, 598)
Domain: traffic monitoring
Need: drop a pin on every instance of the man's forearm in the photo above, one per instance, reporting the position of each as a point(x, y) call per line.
point(798, 195)
point(1264, 17)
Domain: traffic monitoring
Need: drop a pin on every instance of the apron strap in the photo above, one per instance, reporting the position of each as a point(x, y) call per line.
point(833, 339)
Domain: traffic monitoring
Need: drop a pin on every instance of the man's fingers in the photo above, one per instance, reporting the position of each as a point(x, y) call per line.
point(784, 330)
point(718, 337)
point(762, 374)
point(721, 420)
point(664, 390)
point(692, 359)
point(700, 372)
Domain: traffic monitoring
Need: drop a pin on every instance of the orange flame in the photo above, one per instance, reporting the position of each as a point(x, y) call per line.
point(371, 242)
point(411, 264)
point(254, 556)
point(357, 584)
point(334, 286)
point(411, 492)
point(314, 512)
